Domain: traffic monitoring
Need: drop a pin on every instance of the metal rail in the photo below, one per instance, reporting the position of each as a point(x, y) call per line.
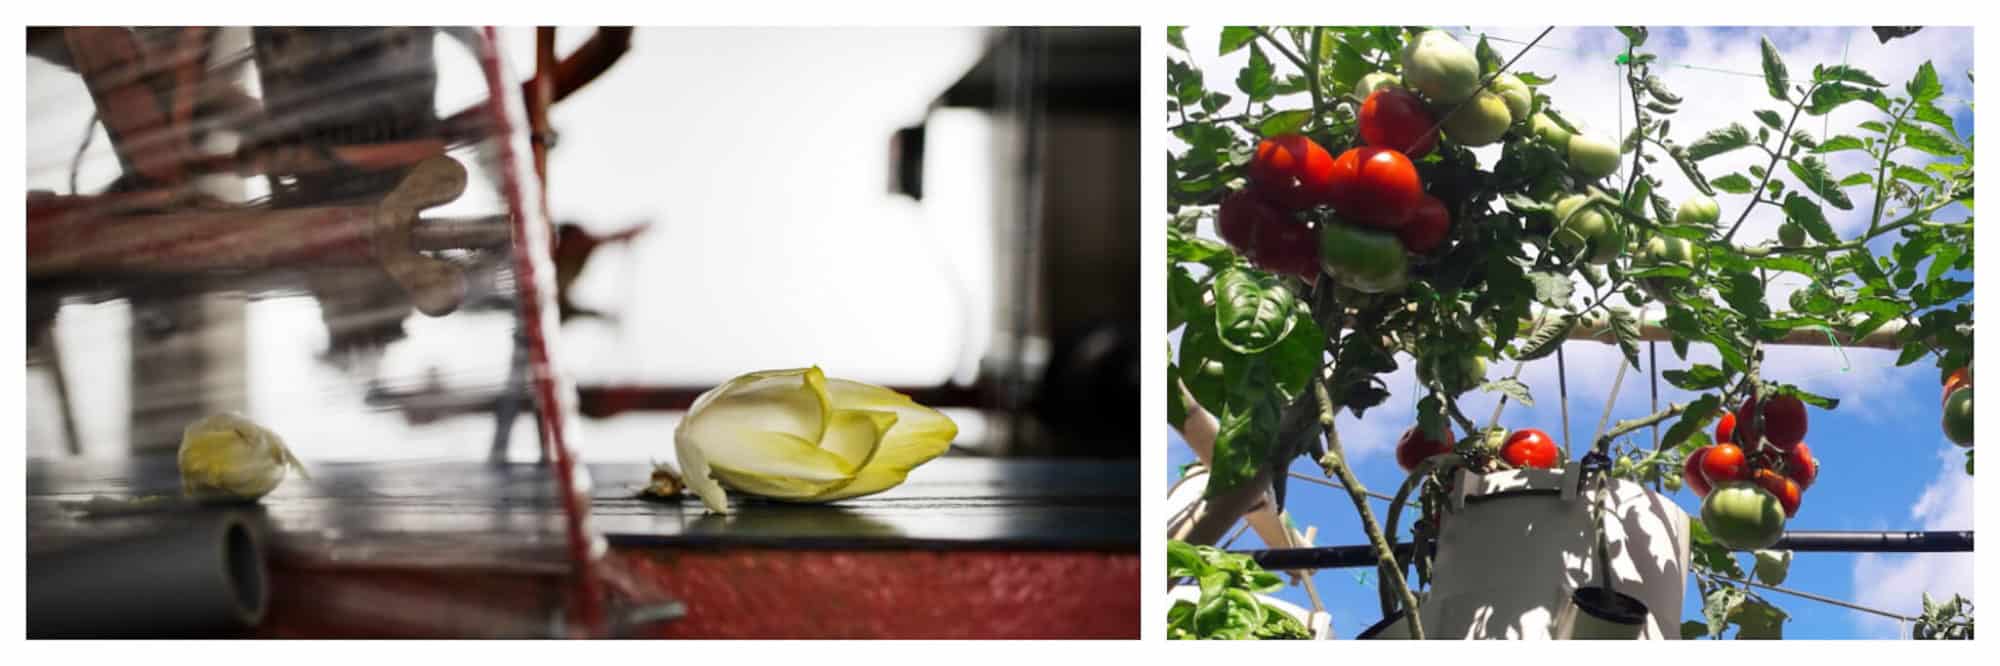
point(1343, 557)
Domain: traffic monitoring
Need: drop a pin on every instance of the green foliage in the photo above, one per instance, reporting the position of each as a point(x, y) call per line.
point(1228, 608)
point(1951, 620)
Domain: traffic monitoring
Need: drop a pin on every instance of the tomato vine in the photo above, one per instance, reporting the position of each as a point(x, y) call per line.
point(1534, 254)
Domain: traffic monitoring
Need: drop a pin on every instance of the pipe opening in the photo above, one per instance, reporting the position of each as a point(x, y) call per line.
point(243, 562)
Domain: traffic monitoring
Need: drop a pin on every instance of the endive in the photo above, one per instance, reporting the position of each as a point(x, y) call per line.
point(229, 457)
point(796, 435)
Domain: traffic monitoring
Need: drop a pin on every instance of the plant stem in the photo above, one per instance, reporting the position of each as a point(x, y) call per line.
point(1638, 125)
point(1312, 80)
point(1286, 50)
point(1624, 427)
point(1882, 167)
point(1771, 169)
point(1335, 464)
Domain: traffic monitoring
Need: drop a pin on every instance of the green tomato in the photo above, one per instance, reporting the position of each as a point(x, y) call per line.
point(1698, 209)
point(1958, 417)
point(1440, 67)
point(1587, 230)
point(1791, 234)
point(1549, 131)
point(1592, 157)
point(1363, 260)
point(1482, 120)
point(1517, 95)
point(1669, 250)
point(1375, 81)
point(1743, 516)
point(1462, 372)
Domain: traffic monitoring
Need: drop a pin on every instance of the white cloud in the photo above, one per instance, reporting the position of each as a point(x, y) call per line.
point(1896, 583)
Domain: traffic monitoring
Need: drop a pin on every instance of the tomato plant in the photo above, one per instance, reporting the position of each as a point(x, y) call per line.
point(1415, 447)
point(1396, 119)
point(1291, 171)
point(1530, 448)
point(1539, 244)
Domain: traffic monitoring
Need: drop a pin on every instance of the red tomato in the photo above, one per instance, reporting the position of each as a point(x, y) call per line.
point(1746, 433)
point(1414, 447)
point(1786, 490)
point(1724, 462)
point(1691, 472)
point(1289, 247)
point(1291, 171)
point(1268, 237)
point(1375, 187)
point(1396, 119)
point(1785, 421)
point(1427, 226)
point(1957, 378)
point(1725, 428)
point(1801, 466)
point(1529, 447)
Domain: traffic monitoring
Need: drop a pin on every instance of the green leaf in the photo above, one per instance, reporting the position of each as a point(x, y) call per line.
point(1699, 377)
point(1734, 183)
point(1929, 113)
point(1183, 296)
point(1512, 388)
point(1634, 34)
point(1249, 426)
point(1670, 271)
point(1928, 141)
point(1185, 247)
point(1547, 337)
point(1284, 122)
point(1658, 89)
point(1775, 76)
point(1183, 561)
point(1772, 565)
point(1807, 214)
point(1757, 619)
point(1812, 173)
point(1719, 141)
point(1721, 603)
point(1849, 74)
point(1838, 143)
point(1771, 119)
point(1174, 37)
point(1856, 178)
point(1489, 59)
point(1689, 629)
point(1296, 360)
point(1552, 289)
point(1924, 86)
point(1947, 254)
point(1253, 310)
point(1177, 410)
point(1691, 421)
point(1826, 98)
point(1234, 38)
point(1909, 174)
point(1625, 328)
point(1255, 77)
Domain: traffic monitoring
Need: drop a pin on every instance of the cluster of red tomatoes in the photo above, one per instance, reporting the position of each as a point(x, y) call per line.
point(1380, 208)
point(1527, 447)
point(1751, 480)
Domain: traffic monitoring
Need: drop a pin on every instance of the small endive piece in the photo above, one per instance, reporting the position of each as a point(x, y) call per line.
point(796, 435)
point(228, 457)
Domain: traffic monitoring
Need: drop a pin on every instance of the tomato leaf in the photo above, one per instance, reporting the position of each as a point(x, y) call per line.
point(1552, 289)
point(1838, 143)
point(1625, 327)
point(1812, 173)
point(1546, 337)
point(1770, 119)
point(1512, 388)
point(1636, 34)
point(1692, 419)
point(1698, 377)
point(1924, 86)
point(1719, 141)
point(1756, 619)
point(1255, 77)
point(1734, 183)
point(1832, 96)
point(1689, 629)
point(1284, 122)
point(1234, 37)
point(1721, 603)
point(1808, 215)
point(1253, 310)
point(1927, 141)
point(1774, 77)
point(1772, 566)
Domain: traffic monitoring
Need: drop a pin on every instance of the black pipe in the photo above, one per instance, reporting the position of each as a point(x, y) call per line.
point(1343, 557)
point(201, 574)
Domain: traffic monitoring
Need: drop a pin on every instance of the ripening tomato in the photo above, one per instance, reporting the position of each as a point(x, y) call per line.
point(1743, 516)
point(1414, 447)
point(1724, 462)
point(1801, 466)
point(1291, 171)
point(1957, 378)
point(1725, 429)
point(1270, 238)
point(1691, 472)
point(1396, 119)
point(1375, 187)
point(1958, 416)
point(1529, 447)
point(1786, 490)
point(1427, 226)
point(1784, 421)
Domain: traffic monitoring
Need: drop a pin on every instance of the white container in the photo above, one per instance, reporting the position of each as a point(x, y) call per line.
point(1514, 546)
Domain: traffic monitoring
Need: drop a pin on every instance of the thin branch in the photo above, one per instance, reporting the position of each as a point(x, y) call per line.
point(1335, 464)
point(1771, 169)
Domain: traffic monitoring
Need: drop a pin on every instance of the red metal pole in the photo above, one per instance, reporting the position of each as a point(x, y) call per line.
point(535, 275)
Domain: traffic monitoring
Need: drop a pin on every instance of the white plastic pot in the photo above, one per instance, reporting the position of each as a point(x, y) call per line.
point(1513, 548)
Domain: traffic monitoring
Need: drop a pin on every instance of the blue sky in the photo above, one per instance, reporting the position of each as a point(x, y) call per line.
point(1886, 465)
